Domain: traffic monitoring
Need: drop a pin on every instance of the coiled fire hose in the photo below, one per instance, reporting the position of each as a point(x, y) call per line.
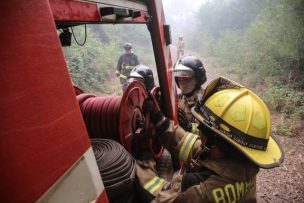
point(119, 118)
point(117, 169)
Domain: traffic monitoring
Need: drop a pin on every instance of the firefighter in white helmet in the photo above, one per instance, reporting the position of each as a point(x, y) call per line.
point(235, 140)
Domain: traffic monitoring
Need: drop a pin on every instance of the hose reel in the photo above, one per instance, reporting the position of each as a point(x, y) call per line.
point(120, 118)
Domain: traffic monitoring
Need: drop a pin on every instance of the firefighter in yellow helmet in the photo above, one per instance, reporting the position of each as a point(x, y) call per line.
point(235, 140)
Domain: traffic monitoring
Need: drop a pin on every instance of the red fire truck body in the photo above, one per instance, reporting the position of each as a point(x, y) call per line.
point(46, 154)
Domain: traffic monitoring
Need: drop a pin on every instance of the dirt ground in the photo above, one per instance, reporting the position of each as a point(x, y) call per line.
point(284, 183)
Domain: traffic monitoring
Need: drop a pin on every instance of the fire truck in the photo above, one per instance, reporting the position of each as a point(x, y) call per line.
point(46, 153)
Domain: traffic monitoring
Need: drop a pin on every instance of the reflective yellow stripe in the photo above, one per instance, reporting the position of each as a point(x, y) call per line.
point(186, 147)
point(154, 184)
point(123, 76)
point(128, 67)
point(194, 129)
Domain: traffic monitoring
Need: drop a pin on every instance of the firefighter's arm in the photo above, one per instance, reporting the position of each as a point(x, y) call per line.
point(183, 120)
point(136, 61)
point(118, 66)
point(180, 143)
point(157, 190)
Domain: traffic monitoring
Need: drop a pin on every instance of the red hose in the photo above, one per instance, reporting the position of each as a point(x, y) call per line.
point(118, 118)
point(101, 115)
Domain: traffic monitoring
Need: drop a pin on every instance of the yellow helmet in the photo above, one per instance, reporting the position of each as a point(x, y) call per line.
point(241, 118)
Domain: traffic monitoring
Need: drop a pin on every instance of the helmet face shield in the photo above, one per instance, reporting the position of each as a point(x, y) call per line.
point(135, 74)
point(183, 71)
point(183, 74)
point(190, 66)
point(185, 78)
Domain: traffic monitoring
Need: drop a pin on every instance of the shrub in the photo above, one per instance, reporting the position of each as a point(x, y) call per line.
point(286, 100)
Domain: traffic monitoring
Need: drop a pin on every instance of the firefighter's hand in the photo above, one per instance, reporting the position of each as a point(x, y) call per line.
point(117, 73)
point(183, 120)
point(160, 122)
point(149, 107)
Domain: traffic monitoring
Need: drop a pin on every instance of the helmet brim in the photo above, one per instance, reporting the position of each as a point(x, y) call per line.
point(183, 71)
point(273, 155)
point(134, 74)
point(183, 74)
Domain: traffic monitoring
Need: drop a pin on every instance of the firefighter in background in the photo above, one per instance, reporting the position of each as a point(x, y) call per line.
point(190, 75)
point(126, 63)
point(235, 141)
point(180, 47)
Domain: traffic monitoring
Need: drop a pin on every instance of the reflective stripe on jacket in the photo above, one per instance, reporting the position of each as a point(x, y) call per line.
point(126, 63)
point(186, 104)
point(228, 180)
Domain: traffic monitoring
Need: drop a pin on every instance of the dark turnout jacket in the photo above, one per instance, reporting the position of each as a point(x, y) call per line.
point(126, 63)
point(206, 180)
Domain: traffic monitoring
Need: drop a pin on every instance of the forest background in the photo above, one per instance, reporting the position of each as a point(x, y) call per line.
point(259, 43)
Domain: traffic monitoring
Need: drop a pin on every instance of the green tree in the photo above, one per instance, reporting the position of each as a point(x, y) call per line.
point(263, 42)
point(93, 65)
point(84, 61)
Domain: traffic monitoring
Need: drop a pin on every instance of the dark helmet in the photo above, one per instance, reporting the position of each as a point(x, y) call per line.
point(144, 74)
point(128, 46)
point(189, 66)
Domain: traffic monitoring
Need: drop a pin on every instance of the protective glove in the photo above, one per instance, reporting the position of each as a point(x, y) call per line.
point(117, 73)
point(183, 120)
point(157, 117)
point(148, 106)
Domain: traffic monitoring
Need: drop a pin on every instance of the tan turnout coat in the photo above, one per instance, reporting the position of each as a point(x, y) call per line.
point(230, 181)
